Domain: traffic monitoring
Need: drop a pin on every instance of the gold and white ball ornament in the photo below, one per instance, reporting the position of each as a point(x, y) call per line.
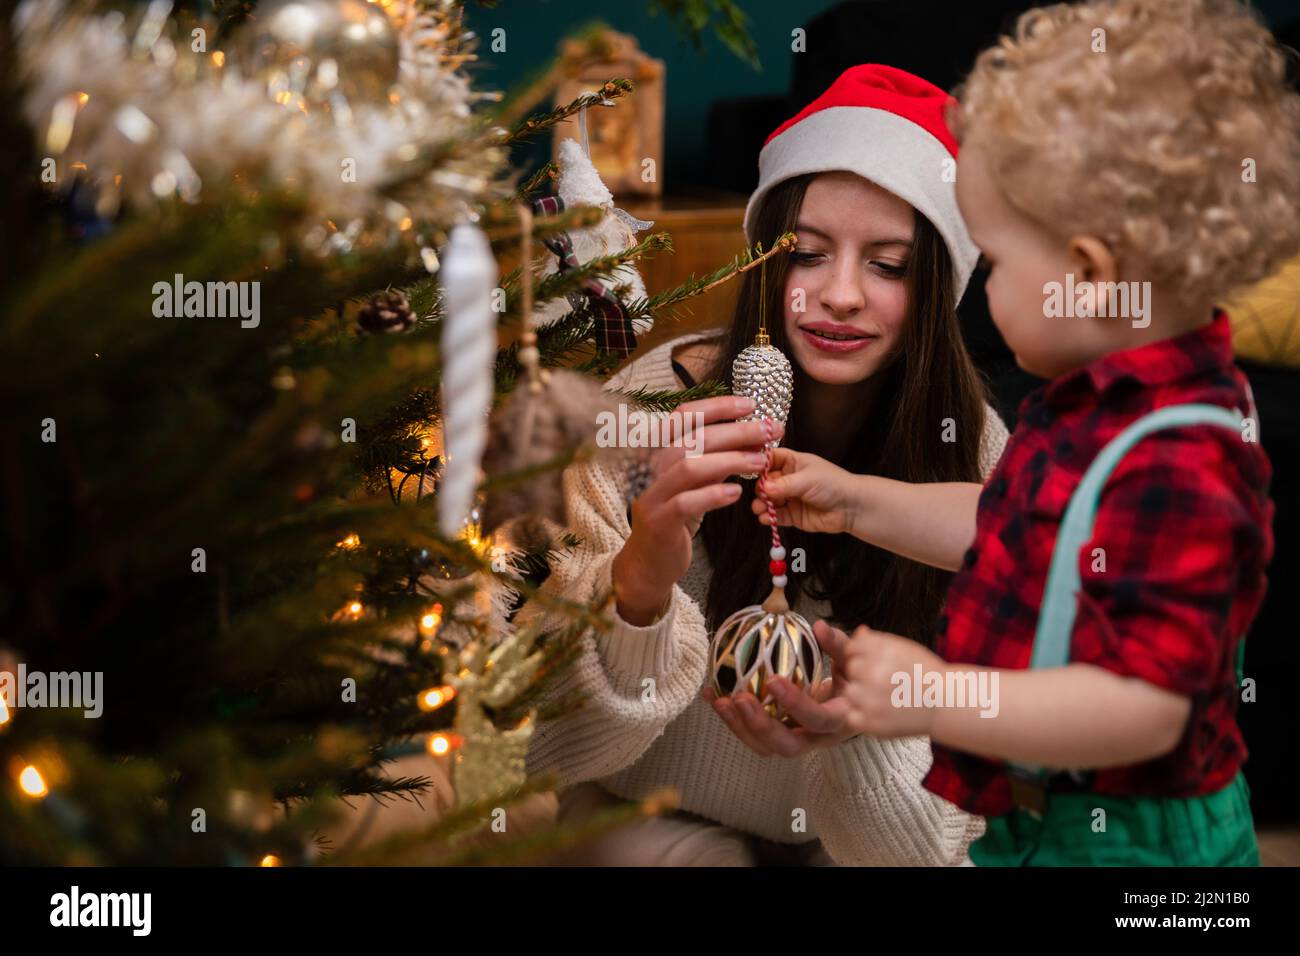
point(763, 641)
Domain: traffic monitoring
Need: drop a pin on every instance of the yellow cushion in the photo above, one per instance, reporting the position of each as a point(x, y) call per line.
point(1266, 319)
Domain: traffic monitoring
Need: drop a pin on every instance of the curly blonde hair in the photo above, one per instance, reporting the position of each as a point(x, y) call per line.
point(1145, 145)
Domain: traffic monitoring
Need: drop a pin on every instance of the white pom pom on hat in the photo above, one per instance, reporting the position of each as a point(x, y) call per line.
point(888, 126)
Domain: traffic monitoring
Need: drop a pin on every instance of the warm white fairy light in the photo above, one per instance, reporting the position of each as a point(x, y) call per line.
point(430, 620)
point(351, 611)
point(435, 697)
point(440, 744)
point(32, 783)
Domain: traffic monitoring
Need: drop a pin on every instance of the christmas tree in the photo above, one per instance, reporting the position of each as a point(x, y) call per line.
point(245, 303)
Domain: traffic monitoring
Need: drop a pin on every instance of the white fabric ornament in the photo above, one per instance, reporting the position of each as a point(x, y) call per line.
point(579, 184)
point(468, 349)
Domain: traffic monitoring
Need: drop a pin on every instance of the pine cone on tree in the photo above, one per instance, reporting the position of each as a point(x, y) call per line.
point(387, 311)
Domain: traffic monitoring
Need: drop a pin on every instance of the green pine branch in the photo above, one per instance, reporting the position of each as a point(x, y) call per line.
point(658, 400)
point(547, 174)
point(731, 26)
point(664, 305)
point(540, 122)
point(601, 268)
point(600, 365)
point(557, 344)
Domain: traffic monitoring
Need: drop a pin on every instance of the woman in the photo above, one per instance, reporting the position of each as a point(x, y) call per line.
point(865, 310)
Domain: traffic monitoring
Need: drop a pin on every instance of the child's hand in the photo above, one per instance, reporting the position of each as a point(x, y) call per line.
point(871, 661)
point(809, 493)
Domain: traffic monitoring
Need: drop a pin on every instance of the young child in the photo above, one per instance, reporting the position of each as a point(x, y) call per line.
point(1109, 569)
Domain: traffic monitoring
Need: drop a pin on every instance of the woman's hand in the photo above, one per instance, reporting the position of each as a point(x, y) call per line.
point(682, 489)
point(822, 718)
point(809, 493)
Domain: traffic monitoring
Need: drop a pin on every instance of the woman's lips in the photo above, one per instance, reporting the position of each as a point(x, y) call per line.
point(839, 346)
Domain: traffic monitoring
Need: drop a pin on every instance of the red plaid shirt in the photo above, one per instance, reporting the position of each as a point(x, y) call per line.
point(1185, 522)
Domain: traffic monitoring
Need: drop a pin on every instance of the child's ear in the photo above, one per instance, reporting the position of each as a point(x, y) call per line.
point(1093, 260)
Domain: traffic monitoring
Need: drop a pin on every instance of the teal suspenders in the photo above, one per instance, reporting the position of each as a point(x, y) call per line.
point(1057, 612)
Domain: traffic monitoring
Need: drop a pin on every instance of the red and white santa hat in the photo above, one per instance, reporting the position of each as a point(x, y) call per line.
point(887, 126)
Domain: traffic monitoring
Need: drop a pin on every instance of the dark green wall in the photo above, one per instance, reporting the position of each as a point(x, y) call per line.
point(534, 28)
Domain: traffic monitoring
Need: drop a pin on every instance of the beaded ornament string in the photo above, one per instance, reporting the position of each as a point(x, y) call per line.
point(777, 553)
point(777, 564)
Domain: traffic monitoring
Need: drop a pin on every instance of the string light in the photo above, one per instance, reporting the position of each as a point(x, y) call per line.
point(32, 783)
point(351, 611)
point(269, 860)
point(350, 543)
point(472, 533)
point(442, 744)
point(430, 437)
point(430, 620)
point(435, 697)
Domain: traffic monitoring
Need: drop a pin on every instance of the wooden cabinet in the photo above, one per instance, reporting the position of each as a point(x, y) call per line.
point(708, 232)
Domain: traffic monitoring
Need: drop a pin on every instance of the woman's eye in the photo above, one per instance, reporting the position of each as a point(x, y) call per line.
point(892, 269)
point(804, 257)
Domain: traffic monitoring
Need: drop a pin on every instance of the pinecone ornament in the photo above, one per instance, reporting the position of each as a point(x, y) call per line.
point(763, 373)
point(387, 311)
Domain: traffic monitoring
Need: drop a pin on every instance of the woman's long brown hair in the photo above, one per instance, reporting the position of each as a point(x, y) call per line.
point(929, 380)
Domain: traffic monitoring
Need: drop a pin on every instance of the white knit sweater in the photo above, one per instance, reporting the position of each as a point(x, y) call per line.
point(863, 798)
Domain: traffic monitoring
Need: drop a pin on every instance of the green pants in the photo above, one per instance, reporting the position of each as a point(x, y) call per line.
point(1212, 830)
